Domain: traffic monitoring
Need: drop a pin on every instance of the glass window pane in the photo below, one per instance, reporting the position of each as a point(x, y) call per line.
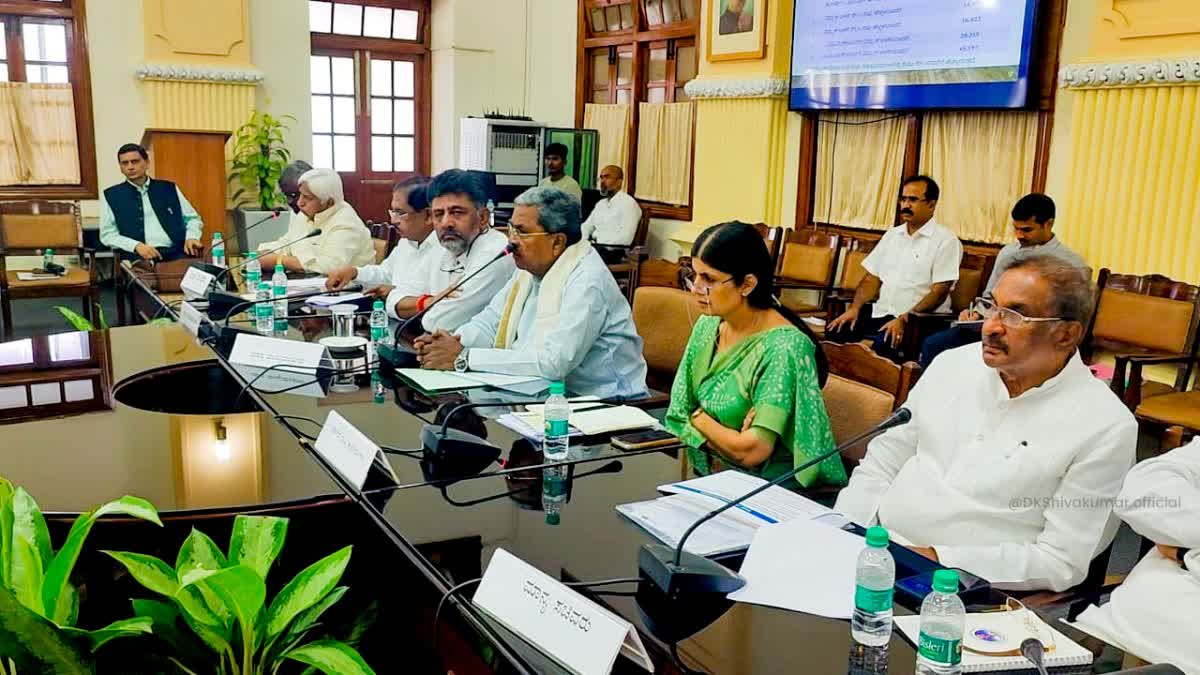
point(404, 117)
point(381, 153)
point(656, 95)
point(671, 13)
point(654, 15)
point(626, 17)
point(46, 393)
point(381, 78)
point(47, 74)
point(13, 397)
point(656, 68)
point(598, 21)
point(600, 96)
point(70, 347)
point(344, 153)
point(322, 151)
point(343, 114)
point(45, 41)
point(320, 15)
point(404, 24)
point(322, 112)
point(613, 15)
point(600, 68)
point(79, 390)
point(16, 353)
point(622, 96)
point(381, 115)
point(377, 22)
point(319, 81)
point(343, 75)
point(404, 78)
point(685, 64)
point(624, 69)
point(347, 19)
point(405, 154)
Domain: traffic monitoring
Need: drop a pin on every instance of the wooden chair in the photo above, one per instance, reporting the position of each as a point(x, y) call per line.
point(28, 227)
point(852, 272)
point(971, 280)
point(662, 272)
point(384, 238)
point(863, 388)
point(808, 261)
point(773, 236)
point(664, 318)
point(626, 271)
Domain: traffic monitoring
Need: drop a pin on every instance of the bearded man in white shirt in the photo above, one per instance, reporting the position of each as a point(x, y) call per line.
point(615, 218)
point(409, 215)
point(1015, 451)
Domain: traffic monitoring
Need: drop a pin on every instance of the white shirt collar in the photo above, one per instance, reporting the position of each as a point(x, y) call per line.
point(1070, 371)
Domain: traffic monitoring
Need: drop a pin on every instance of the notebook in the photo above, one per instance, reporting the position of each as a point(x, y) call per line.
point(1064, 654)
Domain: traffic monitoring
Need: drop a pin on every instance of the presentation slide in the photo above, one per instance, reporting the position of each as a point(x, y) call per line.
point(898, 53)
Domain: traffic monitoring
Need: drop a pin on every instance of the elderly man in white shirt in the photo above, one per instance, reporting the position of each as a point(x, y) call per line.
point(615, 218)
point(911, 269)
point(1155, 613)
point(470, 247)
point(561, 317)
point(1015, 451)
point(344, 239)
point(409, 214)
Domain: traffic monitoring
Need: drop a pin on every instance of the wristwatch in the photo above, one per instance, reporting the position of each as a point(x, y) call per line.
point(1181, 553)
point(461, 363)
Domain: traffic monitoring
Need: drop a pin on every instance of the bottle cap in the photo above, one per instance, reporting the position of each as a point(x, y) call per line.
point(557, 389)
point(48, 251)
point(945, 581)
point(278, 267)
point(552, 518)
point(877, 537)
point(252, 255)
point(217, 235)
point(378, 304)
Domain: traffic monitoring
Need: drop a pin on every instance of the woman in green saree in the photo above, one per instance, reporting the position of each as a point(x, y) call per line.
point(749, 387)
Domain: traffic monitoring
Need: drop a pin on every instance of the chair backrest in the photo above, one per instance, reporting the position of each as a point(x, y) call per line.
point(381, 249)
point(664, 318)
point(28, 226)
point(772, 236)
point(863, 388)
point(853, 272)
point(970, 281)
point(660, 272)
point(809, 256)
point(643, 229)
point(1148, 312)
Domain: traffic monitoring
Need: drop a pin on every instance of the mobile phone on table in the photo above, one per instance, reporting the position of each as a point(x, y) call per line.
point(641, 440)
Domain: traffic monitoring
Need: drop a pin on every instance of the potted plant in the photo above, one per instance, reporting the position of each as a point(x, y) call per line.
point(259, 157)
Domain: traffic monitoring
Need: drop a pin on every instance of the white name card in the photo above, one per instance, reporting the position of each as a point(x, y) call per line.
point(346, 448)
point(195, 283)
point(264, 352)
point(190, 318)
point(576, 632)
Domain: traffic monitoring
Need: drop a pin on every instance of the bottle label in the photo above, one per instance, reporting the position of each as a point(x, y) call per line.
point(378, 334)
point(556, 428)
point(940, 650)
point(872, 601)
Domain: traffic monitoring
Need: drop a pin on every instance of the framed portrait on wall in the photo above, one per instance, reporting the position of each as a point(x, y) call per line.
point(737, 29)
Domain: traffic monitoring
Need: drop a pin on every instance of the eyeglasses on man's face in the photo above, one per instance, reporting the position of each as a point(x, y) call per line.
point(1010, 318)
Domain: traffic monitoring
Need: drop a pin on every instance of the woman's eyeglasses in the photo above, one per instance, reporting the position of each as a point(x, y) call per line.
point(1011, 318)
point(692, 282)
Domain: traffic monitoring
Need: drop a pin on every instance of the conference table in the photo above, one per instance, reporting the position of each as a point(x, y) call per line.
point(423, 529)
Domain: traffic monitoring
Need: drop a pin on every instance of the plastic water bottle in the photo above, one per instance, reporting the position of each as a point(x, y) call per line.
point(47, 258)
point(874, 581)
point(253, 270)
point(279, 289)
point(943, 617)
point(557, 412)
point(263, 320)
point(379, 326)
point(554, 492)
point(218, 249)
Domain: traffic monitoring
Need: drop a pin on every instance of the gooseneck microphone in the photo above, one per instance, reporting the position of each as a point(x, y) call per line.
point(1034, 651)
point(221, 303)
point(227, 270)
point(677, 572)
point(274, 214)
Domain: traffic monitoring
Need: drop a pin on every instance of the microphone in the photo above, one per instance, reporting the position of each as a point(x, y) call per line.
point(219, 300)
point(227, 270)
point(243, 304)
point(1033, 650)
point(677, 572)
point(274, 214)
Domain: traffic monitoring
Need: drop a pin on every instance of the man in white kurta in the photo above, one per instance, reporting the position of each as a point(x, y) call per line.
point(344, 239)
point(615, 218)
point(1155, 613)
point(1015, 451)
point(561, 317)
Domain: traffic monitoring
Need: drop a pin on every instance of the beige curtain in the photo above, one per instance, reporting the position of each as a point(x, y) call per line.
point(860, 159)
point(664, 162)
point(983, 162)
point(37, 134)
point(612, 121)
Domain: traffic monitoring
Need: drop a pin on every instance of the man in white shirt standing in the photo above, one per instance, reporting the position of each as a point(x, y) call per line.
point(561, 317)
point(615, 218)
point(911, 269)
point(998, 472)
point(409, 214)
point(457, 202)
point(344, 239)
point(556, 171)
point(1155, 613)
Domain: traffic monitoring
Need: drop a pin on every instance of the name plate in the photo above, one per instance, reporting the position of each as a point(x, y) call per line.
point(265, 352)
point(576, 632)
point(349, 450)
point(195, 283)
point(190, 318)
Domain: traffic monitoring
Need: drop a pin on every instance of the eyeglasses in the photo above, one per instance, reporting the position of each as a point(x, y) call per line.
point(398, 213)
point(911, 200)
point(1009, 317)
point(514, 233)
point(692, 282)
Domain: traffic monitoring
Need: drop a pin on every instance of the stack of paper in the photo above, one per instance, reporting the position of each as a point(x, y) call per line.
point(306, 284)
point(35, 276)
point(522, 427)
point(593, 421)
point(332, 299)
point(434, 381)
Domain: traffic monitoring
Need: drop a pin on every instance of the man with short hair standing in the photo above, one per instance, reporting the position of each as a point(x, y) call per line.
point(556, 171)
point(343, 239)
point(561, 317)
point(614, 220)
point(911, 269)
point(998, 473)
point(148, 217)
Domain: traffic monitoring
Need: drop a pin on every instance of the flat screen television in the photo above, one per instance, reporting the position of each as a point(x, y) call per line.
point(911, 54)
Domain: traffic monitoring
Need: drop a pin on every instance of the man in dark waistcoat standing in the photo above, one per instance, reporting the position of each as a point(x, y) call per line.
point(147, 217)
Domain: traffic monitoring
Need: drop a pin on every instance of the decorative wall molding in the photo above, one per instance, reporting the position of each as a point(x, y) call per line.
point(1158, 72)
point(186, 73)
point(767, 87)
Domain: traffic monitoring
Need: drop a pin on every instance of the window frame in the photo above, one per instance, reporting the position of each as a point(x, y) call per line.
point(96, 368)
point(640, 41)
point(78, 73)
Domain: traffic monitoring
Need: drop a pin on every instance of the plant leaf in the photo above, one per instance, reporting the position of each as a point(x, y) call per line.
point(256, 541)
point(77, 321)
point(198, 552)
point(301, 624)
point(6, 531)
point(331, 657)
point(29, 524)
point(207, 610)
point(148, 571)
point(130, 506)
point(117, 629)
point(243, 591)
point(303, 591)
point(34, 644)
point(168, 625)
point(27, 575)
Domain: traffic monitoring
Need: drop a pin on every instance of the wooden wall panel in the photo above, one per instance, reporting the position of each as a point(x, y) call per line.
point(194, 160)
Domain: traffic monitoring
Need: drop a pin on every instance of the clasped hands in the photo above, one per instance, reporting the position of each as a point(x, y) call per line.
point(191, 247)
point(437, 350)
point(893, 330)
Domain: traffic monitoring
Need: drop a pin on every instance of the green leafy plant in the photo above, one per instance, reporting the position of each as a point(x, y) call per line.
point(79, 322)
point(259, 157)
point(216, 616)
point(38, 604)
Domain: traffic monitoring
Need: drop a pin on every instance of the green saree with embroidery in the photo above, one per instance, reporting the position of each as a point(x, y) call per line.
point(773, 373)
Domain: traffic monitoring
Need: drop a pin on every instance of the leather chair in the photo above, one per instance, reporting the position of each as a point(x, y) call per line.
point(26, 228)
point(808, 262)
point(862, 389)
point(384, 238)
point(664, 318)
point(971, 280)
point(851, 275)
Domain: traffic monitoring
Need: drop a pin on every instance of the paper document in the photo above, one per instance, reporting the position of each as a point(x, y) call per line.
point(331, 299)
point(774, 505)
point(667, 518)
point(306, 284)
point(1060, 650)
point(35, 276)
point(442, 380)
point(593, 422)
point(525, 429)
point(803, 566)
